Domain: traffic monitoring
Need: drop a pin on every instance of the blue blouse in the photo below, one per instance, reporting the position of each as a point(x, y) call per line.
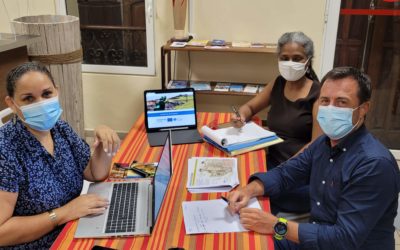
point(354, 189)
point(42, 181)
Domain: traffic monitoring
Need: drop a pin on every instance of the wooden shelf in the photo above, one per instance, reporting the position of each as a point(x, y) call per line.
point(229, 48)
point(166, 68)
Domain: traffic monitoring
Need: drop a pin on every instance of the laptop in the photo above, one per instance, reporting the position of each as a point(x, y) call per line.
point(171, 109)
point(134, 205)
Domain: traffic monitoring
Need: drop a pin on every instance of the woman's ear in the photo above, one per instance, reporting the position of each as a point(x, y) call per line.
point(11, 104)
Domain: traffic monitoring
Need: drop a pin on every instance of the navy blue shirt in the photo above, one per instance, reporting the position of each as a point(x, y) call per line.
point(354, 190)
point(42, 181)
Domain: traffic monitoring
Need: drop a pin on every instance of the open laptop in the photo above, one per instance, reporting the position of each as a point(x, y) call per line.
point(171, 109)
point(134, 205)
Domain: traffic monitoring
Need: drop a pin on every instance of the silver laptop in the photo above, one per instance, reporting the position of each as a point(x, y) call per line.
point(134, 205)
point(171, 109)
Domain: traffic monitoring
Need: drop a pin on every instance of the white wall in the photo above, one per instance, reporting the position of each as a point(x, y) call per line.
point(117, 100)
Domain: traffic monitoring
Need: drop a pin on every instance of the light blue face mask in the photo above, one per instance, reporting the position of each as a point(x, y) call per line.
point(336, 122)
point(42, 115)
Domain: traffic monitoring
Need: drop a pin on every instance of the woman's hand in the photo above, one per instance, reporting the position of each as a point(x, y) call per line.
point(238, 121)
point(107, 138)
point(87, 204)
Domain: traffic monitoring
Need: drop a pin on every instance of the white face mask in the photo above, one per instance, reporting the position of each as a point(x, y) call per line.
point(292, 71)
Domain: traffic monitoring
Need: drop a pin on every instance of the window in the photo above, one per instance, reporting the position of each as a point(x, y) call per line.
point(117, 35)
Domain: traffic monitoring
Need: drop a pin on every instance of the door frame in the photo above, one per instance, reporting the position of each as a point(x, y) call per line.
point(332, 11)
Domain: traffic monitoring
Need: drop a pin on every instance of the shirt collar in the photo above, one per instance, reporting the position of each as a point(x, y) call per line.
point(346, 142)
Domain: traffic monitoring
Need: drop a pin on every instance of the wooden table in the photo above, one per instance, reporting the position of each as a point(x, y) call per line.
point(170, 229)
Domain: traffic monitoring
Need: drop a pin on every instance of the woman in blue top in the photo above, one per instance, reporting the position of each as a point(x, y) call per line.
point(291, 99)
point(43, 163)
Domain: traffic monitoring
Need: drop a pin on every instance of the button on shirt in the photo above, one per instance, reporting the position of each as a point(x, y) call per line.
point(354, 190)
point(42, 181)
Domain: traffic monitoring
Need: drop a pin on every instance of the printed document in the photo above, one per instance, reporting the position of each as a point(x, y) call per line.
point(212, 174)
point(231, 135)
point(212, 216)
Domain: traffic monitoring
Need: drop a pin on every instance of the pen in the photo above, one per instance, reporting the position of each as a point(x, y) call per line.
point(225, 199)
point(236, 111)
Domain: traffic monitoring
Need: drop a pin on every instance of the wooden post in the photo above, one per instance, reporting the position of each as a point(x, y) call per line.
point(59, 47)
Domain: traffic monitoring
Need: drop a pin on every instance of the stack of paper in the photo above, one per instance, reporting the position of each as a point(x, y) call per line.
point(212, 174)
point(234, 141)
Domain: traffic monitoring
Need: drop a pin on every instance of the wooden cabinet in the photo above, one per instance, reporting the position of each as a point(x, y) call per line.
point(166, 62)
point(13, 51)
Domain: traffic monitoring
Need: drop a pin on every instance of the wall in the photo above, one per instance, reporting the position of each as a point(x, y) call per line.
point(117, 100)
point(256, 20)
point(11, 9)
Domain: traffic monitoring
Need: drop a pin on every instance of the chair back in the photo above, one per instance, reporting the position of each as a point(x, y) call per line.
point(5, 115)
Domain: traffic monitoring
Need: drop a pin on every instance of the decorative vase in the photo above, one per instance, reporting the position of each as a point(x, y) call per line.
point(179, 10)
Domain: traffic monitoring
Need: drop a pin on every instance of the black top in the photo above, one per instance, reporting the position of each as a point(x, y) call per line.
point(292, 121)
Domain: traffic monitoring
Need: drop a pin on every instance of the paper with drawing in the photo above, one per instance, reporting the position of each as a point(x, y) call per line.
point(212, 174)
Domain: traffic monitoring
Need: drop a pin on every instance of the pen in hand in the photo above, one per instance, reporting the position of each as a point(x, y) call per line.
point(236, 111)
point(225, 199)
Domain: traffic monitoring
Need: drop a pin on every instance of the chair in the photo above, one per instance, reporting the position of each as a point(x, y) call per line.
point(5, 113)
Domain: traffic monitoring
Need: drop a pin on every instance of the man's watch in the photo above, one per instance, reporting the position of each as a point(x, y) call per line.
point(280, 228)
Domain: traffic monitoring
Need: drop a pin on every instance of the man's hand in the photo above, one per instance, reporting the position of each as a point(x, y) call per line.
point(257, 220)
point(239, 198)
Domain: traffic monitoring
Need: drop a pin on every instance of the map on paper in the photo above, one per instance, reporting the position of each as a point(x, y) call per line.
point(212, 174)
point(212, 216)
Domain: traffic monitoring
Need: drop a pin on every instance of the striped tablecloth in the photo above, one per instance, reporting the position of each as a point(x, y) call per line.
point(170, 229)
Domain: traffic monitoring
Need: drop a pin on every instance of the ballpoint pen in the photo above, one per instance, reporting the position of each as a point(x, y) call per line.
point(225, 199)
point(236, 111)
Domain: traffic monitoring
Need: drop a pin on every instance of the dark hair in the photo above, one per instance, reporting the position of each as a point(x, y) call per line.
point(363, 80)
point(308, 45)
point(16, 73)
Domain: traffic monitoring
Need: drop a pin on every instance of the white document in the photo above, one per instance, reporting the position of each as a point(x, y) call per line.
point(212, 174)
point(231, 135)
point(212, 216)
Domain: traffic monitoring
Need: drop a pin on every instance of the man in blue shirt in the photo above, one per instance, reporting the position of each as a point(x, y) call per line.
point(354, 180)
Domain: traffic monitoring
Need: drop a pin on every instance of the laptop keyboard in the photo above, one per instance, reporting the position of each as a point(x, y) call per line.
point(122, 210)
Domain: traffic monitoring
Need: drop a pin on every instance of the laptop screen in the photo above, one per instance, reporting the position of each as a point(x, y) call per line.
point(162, 176)
point(170, 108)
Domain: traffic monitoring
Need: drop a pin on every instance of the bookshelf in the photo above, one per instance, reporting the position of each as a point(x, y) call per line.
point(166, 63)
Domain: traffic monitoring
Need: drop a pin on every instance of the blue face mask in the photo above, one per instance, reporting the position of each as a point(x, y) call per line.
point(42, 115)
point(335, 122)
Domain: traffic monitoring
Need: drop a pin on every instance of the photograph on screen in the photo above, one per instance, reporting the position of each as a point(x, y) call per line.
point(170, 109)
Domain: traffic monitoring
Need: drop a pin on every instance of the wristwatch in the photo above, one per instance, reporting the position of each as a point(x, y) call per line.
point(280, 228)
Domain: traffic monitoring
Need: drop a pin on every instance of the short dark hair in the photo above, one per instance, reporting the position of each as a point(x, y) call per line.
point(16, 73)
point(363, 80)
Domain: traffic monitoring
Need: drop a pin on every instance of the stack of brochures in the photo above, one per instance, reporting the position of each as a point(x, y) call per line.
point(235, 141)
point(212, 174)
point(200, 86)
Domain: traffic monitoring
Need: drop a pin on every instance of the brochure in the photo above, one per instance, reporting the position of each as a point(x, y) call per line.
point(236, 87)
point(222, 86)
point(212, 174)
point(251, 88)
point(177, 84)
point(200, 86)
